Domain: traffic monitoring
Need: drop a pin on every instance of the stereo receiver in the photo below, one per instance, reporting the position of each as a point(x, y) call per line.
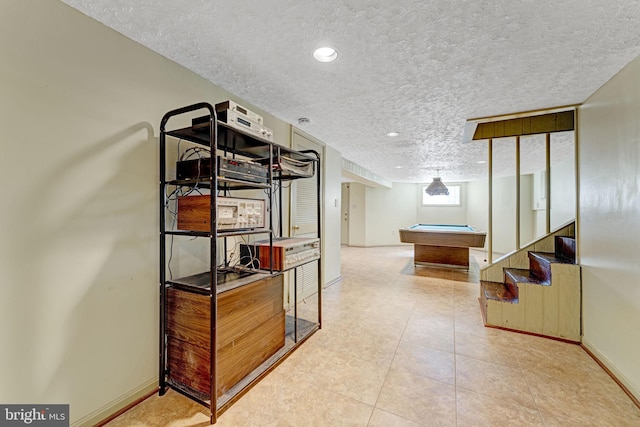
point(237, 121)
point(288, 252)
point(232, 213)
point(243, 170)
point(230, 105)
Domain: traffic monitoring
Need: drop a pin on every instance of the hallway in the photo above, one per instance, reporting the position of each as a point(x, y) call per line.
point(405, 346)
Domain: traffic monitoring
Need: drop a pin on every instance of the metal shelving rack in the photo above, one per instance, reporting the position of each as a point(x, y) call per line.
point(230, 141)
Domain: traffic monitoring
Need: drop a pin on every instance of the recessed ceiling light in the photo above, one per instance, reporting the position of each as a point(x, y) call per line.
point(481, 162)
point(399, 167)
point(325, 54)
point(392, 134)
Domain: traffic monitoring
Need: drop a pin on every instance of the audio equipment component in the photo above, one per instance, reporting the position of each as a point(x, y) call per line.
point(243, 170)
point(230, 105)
point(236, 121)
point(288, 252)
point(293, 167)
point(232, 213)
point(242, 122)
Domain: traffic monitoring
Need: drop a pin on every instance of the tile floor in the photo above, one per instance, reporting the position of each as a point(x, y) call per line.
point(405, 346)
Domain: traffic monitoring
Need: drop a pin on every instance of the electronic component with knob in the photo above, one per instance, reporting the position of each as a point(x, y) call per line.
point(232, 213)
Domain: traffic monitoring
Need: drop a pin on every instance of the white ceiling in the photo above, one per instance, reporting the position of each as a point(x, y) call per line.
point(420, 68)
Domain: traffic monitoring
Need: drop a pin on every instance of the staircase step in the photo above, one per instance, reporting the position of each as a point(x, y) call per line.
point(518, 275)
point(499, 291)
point(565, 249)
point(540, 264)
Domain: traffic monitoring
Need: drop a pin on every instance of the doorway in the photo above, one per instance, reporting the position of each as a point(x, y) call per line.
point(344, 214)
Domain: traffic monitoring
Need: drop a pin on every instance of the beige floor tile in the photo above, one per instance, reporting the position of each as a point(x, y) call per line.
point(432, 322)
point(471, 276)
point(418, 399)
point(468, 307)
point(319, 407)
point(428, 362)
point(466, 293)
point(560, 360)
point(498, 381)
point(424, 271)
point(624, 405)
point(471, 324)
point(485, 348)
point(440, 340)
point(353, 377)
point(475, 409)
point(309, 360)
point(562, 400)
point(233, 418)
point(276, 394)
point(374, 347)
point(284, 400)
point(429, 306)
point(576, 408)
point(171, 409)
point(382, 418)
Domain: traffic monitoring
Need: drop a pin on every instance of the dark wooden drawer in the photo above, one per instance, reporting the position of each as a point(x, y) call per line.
point(189, 363)
point(188, 317)
point(239, 310)
point(247, 352)
point(251, 328)
point(188, 366)
point(243, 309)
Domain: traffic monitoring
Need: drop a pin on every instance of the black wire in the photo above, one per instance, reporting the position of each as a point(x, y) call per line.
point(180, 192)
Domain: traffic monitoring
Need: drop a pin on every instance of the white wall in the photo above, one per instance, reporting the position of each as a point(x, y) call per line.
point(332, 214)
point(388, 210)
point(563, 193)
point(377, 214)
point(477, 209)
point(609, 214)
point(80, 108)
point(504, 211)
point(563, 197)
point(443, 214)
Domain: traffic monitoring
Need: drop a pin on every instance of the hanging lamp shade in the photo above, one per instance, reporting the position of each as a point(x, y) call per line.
point(437, 188)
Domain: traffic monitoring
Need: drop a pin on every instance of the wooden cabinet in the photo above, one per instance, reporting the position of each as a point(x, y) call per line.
point(251, 328)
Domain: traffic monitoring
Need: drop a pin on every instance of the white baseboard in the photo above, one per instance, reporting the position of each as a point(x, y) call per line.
point(118, 404)
point(634, 389)
point(332, 282)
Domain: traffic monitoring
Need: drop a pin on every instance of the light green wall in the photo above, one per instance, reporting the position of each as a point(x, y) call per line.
point(80, 107)
point(609, 214)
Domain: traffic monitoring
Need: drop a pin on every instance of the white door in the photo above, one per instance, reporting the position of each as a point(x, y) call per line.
point(304, 214)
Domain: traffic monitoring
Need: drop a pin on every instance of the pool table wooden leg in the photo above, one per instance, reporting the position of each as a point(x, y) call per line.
point(441, 255)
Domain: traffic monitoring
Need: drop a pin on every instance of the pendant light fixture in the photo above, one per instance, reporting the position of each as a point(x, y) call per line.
point(437, 188)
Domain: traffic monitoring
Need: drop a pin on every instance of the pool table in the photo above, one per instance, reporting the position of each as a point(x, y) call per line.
point(442, 244)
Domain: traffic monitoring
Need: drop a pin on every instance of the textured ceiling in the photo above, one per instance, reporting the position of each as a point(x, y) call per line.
point(420, 68)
